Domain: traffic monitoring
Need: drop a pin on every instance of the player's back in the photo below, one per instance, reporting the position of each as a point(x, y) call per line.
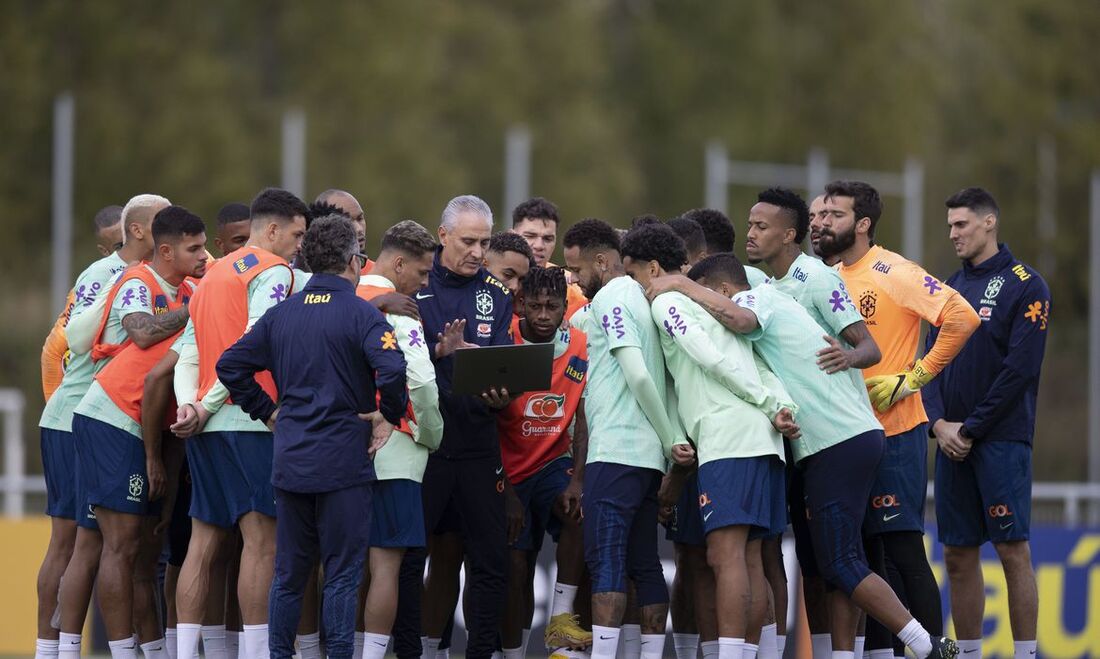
point(619, 431)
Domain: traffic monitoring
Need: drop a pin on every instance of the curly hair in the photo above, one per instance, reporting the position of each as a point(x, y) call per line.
point(591, 233)
point(690, 232)
point(507, 241)
point(717, 229)
point(329, 244)
point(655, 242)
point(536, 208)
point(545, 280)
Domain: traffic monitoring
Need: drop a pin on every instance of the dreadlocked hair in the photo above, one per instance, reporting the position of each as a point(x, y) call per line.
point(323, 208)
point(545, 280)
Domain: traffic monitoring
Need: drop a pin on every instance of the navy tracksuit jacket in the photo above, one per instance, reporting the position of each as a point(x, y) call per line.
point(992, 385)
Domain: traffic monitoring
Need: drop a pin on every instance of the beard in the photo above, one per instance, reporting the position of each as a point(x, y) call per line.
point(830, 244)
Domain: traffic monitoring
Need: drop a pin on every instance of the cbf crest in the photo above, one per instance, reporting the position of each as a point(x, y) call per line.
point(993, 288)
point(137, 484)
point(867, 304)
point(483, 304)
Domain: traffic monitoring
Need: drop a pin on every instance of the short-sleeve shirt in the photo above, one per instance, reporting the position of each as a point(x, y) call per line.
point(892, 295)
point(95, 281)
point(831, 408)
point(266, 289)
point(618, 429)
point(96, 403)
point(710, 411)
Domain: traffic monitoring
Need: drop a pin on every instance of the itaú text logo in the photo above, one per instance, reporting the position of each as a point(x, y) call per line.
point(885, 501)
point(545, 407)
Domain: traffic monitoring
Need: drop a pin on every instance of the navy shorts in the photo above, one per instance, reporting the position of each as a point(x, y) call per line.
point(620, 530)
point(897, 497)
point(744, 492)
point(85, 513)
point(987, 496)
point(539, 493)
point(179, 527)
point(800, 526)
point(231, 476)
point(59, 465)
point(686, 525)
point(836, 483)
point(112, 468)
point(397, 517)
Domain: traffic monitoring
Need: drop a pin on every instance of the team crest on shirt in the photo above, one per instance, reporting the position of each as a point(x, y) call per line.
point(137, 485)
point(483, 304)
point(992, 290)
point(246, 262)
point(545, 407)
point(867, 302)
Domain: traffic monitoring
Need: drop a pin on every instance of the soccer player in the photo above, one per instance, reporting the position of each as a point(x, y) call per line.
point(741, 481)
point(893, 295)
point(778, 224)
point(466, 469)
point(397, 517)
point(817, 223)
point(147, 309)
point(328, 352)
point(537, 221)
point(56, 427)
point(544, 442)
point(839, 451)
point(631, 437)
point(56, 348)
point(982, 411)
point(94, 283)
point(347, 204)
point(231, 456)
point(234, 227)
point(691, 232)
point(718, 233)
point(508, 258)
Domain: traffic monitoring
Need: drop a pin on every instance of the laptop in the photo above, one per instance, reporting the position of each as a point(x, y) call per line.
point(517, 368)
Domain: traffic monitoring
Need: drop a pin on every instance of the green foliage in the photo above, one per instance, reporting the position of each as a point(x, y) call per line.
point(408, 102)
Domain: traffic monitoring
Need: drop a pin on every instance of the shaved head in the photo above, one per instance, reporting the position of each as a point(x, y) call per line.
point(347, 203)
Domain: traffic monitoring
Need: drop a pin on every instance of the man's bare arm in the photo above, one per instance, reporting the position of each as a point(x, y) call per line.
point(145, 329)
point(725, 311)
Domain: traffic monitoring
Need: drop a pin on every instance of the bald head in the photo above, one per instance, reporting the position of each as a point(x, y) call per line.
point(347, 203)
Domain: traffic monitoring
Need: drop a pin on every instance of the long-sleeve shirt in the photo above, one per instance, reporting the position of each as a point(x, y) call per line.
point(992, 385)
point(328, 351)
point(469, 426)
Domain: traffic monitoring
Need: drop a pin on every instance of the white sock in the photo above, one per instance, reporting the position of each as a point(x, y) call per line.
point(730, 648)
point(710, 649)
point(374, 645)
point(213, 642)
point(154, 649)
point(605, 642)
point(861, 642)
point(780, 644)
point(360, 638)
point(171, 642)
point(632, 641)
point(430, 645)
point(822, 645)
point(564, 594)
point(232, 644)
point(445, 653)
point(887, 653)
point(971, 648)
point(686, 645)
point(526, 638)
point(1024, 649)
point(768, 645)
point(916, 638)
point(187, 639)
point(45, 648)
point(844, 654)
point(309, 646)
point(652, 646)
point(123, 648)
point(68, 646)
point(497, 654)
point(749, 650)
point(255, 642)
point(513, 653)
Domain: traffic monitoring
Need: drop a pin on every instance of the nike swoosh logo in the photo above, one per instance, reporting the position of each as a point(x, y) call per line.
point(707, 516)
point(424, 297)
point(381, 645)
point(970, 650)
point(499, 470)
point(887, 518)
point(606, 638)
point(560, 592)
point(1005, 526)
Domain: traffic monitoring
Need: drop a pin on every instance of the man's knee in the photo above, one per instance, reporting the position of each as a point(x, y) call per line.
point(1016, 554)
point(843, 572)
point(961, 562)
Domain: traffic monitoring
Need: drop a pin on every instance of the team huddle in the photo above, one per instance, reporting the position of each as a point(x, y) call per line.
point(277, 425)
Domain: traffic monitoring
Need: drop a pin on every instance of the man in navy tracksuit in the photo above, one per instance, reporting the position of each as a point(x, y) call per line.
point(981, 410)
point(463, 306)
point(329, 352)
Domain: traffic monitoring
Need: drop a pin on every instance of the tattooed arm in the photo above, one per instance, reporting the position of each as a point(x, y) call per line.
point(145, 329)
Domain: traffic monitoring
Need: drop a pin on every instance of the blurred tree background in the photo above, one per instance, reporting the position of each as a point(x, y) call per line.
point(408, 103)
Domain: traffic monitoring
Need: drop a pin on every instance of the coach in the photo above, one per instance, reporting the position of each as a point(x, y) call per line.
point(328, 350)
point(982, 410)
point(464, 305)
